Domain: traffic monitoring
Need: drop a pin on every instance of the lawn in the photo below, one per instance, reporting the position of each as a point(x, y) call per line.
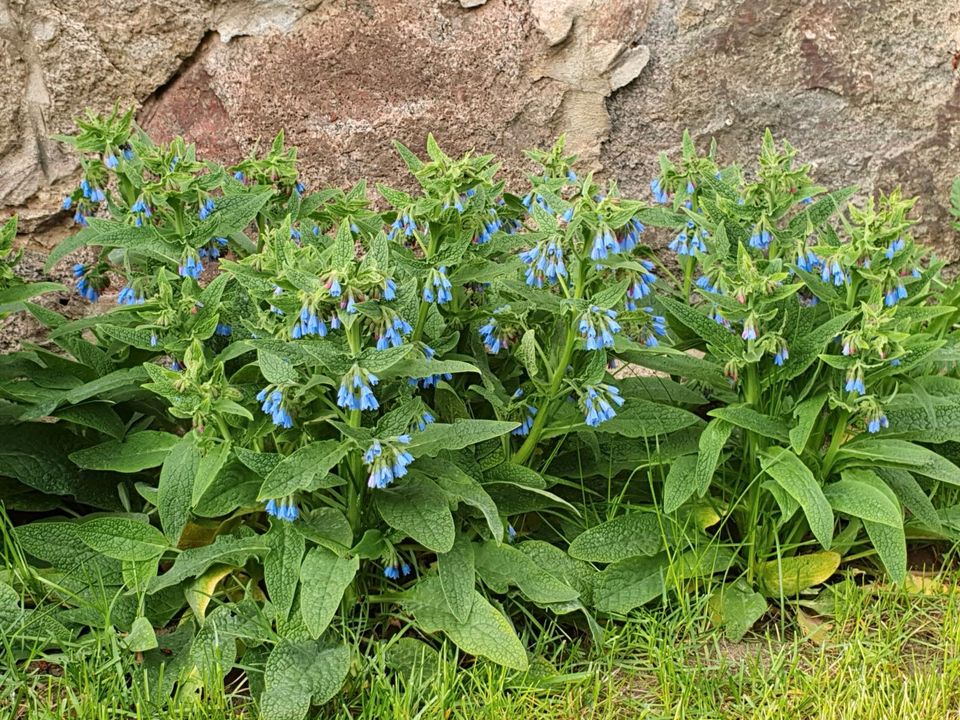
point(859, 651)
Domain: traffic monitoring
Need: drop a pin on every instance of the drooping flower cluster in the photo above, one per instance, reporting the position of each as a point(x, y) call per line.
point(495, 337)
point(206, 208)
point(405, 224)
point(653, 326)
point(308, 323)
point(190, 266)
point(597, 403)
point(689, 241)
point(641, 285)
point(437, 288)
point(129, 296)
point(395, 570)
point(285, 509)
point(84, 285)
point(355, 392)
point(597, 328)
point(544, 262)
point(141, 212)
point(391, 329)
point(528, 414)
point(387, 461)
point(273, 404)
point(604, 245)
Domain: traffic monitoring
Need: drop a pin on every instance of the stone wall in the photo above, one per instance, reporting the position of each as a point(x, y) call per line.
point(864, 88)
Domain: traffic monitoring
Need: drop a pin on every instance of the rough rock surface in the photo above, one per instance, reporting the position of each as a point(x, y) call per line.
point(864, 88)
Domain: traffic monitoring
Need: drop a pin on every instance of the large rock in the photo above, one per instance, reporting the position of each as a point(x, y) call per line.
point(863, 88)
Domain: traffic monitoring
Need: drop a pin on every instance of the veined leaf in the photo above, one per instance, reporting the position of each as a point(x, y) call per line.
point(855, 494)
point(786, 577)
point(122, 538)
point(298, 674)
point(281, 566)
point(503, 565)
point(457, 577)
point(227, 549)
point(806, 414)
point(301, 469)
point(419, 509)
point(911, 496)
point(323, 579)
point(746, 417)
point(486, 631)
point(681, 482)
point(720, 340)
point(629, 583)
point(175, 489)
point(457, 435)
point(636, 533)
point(795, 477)
point(142, 450)
point(643, 418)
point(712, 440)
point(903, 454)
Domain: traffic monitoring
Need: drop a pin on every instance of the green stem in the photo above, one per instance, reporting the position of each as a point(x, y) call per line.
point(424, 305)
point(753, 444)
point(222, 425)
point(526, 450)
point(688, 264)
point(839, 430)
point(356, 487)
point(556, 380)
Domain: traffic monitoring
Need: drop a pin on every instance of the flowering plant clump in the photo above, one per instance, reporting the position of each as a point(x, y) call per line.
point(823, 346)
point(330, 413)
point(310, 414)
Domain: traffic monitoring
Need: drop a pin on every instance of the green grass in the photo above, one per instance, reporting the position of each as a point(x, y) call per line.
point(878, 653)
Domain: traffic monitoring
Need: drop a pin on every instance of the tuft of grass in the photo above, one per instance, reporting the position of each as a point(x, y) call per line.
point(872, 652)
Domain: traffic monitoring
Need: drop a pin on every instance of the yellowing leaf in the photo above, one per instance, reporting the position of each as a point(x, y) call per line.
point(788, 576)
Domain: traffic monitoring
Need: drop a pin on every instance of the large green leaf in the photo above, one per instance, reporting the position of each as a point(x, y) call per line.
point(793, 476)
point(460, 487)
point(457, 435)
point(806, 414)
point(301, 469)
point(323, 579)
point(629, 583)
point(175, 489)
point(681, 482)
point(720, 340)
point(231, 550)
point(855, 494)
point(485, 632)
point(636, 533)
point(737, 608)
point(787, 576)
point(643, 418)
point(281, 566)
point(746, 417)
point(712, 440)
point(142, 450)
point(36, 455)
point(419, 509)
point(122, 538)
point(889, 540)
point(903, 454)
point(913, 497)
point(298, 674)
point(503, 565)
point(458, 577)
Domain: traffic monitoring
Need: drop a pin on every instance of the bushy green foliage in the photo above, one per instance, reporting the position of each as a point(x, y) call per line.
point(312, 419)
